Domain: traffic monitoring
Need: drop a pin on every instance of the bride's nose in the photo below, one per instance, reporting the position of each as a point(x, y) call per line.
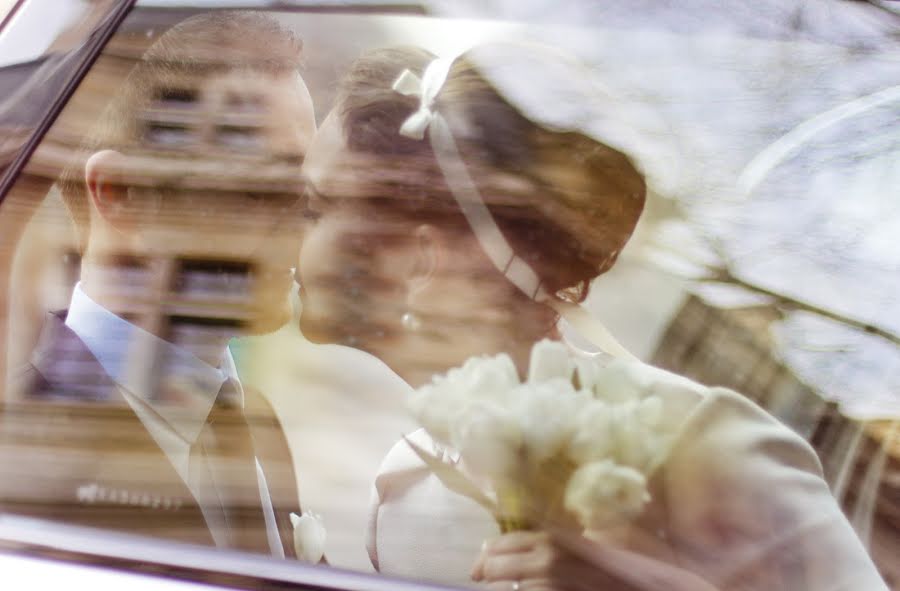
point(313, 203)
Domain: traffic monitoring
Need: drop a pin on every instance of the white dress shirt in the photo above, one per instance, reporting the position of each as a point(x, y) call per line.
point(173, 410)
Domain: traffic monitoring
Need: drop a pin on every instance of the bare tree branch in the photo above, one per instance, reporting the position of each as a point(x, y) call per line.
point(724, 275)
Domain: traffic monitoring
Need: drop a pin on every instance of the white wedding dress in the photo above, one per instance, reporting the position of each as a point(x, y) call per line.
point(740, 501)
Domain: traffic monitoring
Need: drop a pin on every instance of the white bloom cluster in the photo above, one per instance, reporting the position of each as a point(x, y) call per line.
point(603, 493)
point(574, 429)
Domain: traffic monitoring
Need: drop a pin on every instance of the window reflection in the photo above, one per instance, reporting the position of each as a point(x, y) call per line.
point(169, 376)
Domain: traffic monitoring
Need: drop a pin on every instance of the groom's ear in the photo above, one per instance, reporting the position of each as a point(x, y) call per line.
point(104, 187)
point(428, 251)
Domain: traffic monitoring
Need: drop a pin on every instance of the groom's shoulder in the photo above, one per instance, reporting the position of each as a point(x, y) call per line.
point(59, 366)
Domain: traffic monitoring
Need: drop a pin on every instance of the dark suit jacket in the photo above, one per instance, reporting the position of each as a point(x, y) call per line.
point(72, 450)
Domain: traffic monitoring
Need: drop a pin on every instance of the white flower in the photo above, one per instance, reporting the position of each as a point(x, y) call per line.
point(488, 438)
point(437, 405)
point(587, 371)
point(479, 375)
point(640, 440)
point(649, 412)
point(549, 359)
point(602, 494)
point(621, 381)
point(492, 377)
point(309, 536)
point(546, 413)
point(611, 422)
point(594, 437)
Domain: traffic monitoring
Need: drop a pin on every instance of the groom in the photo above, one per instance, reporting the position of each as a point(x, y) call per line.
point(130, 415)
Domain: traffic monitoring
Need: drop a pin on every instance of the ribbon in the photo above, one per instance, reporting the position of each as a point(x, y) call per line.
point(475, 210)
point(426, 89)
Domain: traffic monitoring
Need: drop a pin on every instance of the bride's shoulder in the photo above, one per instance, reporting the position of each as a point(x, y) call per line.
point(402, 460)
point(401, 453)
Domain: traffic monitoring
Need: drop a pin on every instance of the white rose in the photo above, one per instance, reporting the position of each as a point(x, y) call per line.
point(594, 436)
point(488, 439)
point(603, 493)
point(309, 536)
point(549, 359)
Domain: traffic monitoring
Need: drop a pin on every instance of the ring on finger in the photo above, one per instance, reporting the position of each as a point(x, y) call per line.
point(516, 586)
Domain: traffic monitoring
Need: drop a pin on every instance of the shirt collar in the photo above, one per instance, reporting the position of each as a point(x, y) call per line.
point(172, 381)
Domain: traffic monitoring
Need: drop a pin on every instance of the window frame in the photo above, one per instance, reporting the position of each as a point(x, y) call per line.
point(93, 44)
point(82, 546)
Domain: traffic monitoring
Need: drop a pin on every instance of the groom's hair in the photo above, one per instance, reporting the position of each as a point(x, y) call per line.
point(565, 202)
point(217, 42)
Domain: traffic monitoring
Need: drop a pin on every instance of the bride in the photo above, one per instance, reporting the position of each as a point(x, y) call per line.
point(449, 224)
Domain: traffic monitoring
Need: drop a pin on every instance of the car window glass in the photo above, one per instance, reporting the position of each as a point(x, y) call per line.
point(371, 286)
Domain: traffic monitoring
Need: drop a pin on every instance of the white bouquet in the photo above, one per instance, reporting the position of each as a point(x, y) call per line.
point(575, 441)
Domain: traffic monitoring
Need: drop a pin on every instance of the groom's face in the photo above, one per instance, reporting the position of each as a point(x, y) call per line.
point(259, 226)
point(231, 209)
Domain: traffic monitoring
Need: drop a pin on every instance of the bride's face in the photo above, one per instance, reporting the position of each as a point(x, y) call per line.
point(363, 267)
point(351, 285)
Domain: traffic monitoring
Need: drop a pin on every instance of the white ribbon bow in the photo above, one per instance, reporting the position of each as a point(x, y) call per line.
point(426, 89)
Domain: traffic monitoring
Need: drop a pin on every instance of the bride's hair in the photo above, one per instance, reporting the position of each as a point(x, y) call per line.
point(566, 203)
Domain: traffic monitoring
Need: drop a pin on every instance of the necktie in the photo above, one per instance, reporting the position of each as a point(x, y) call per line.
point(223, 469)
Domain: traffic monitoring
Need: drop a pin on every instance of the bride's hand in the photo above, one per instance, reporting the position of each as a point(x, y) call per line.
point(539, 561)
